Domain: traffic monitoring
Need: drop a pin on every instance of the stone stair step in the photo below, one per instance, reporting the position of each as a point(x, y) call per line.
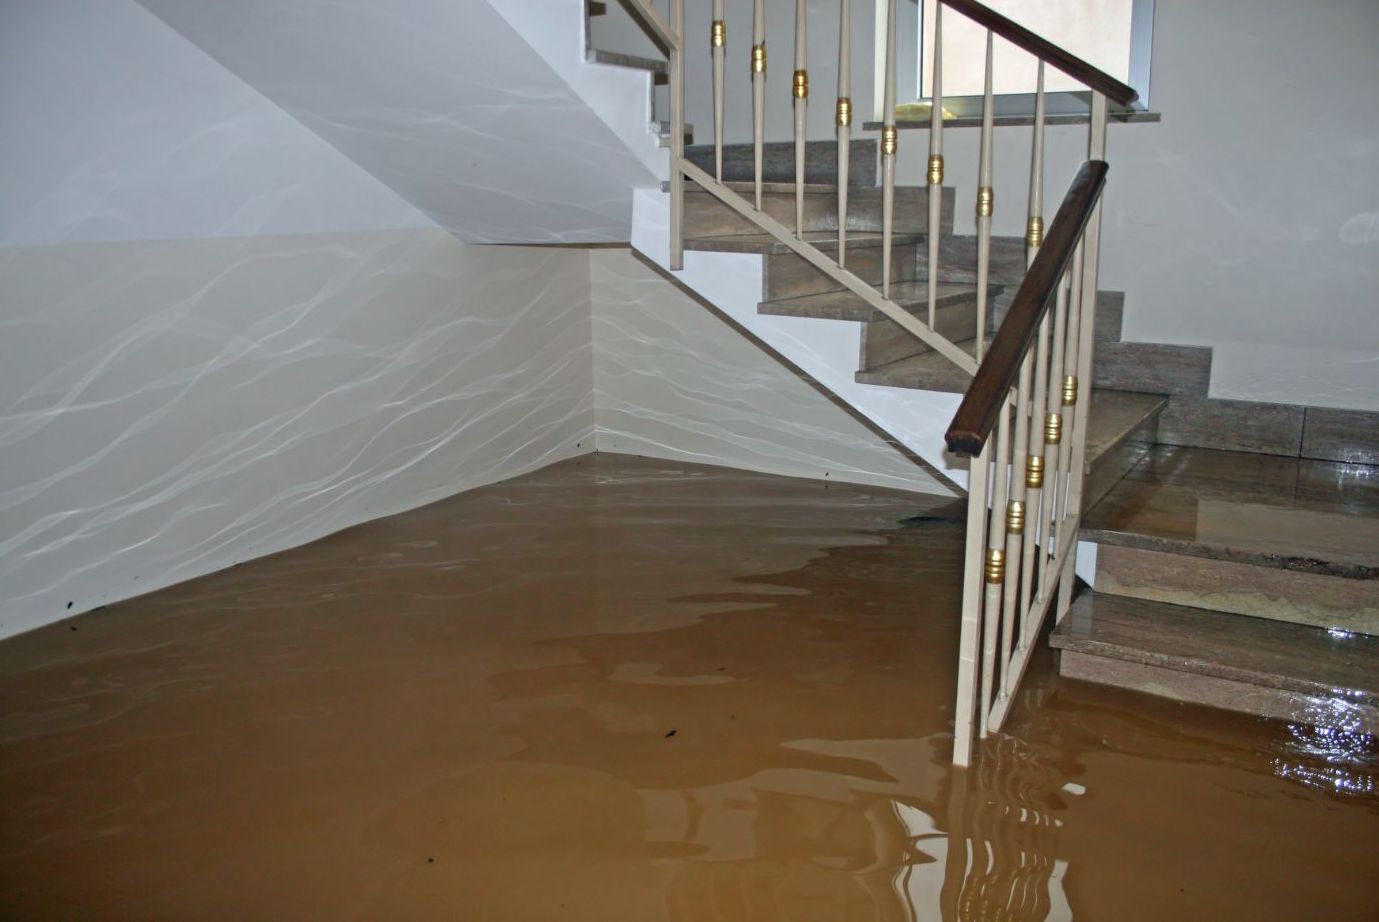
point(927, 372)
point(1301, 674)
point(766, 244)
point(1121, 429)
point(844, 305)
point(660, 70)
point(663, 131)
point(884, 340)
point(786, 275)
point(1153, 368)
point(778, 161)
point(706, 216)
point(1145, 368)
point(1282, 538)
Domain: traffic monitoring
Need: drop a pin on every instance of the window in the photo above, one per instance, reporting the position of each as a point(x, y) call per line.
point(1112, 35)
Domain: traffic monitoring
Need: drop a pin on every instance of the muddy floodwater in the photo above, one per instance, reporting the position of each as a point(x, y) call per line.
point(621, 689)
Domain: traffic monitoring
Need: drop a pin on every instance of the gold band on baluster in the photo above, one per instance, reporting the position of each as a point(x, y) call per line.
point(1034, 231)
point(1034, 472)
point(844, 111)
point(759, 58)
point(801, 84)
point(890, 140)
point(986, 201)
point(995, 565)
point(1069, 390)
point(1053, 429)
point(718, 33)
point(936, 169)
point(1015, 517)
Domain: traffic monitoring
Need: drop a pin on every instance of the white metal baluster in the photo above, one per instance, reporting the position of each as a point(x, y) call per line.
point(1033, 479)
point(889, 145)
point(1016, 518)
point(1091, 248)
point(800, 89)
point(1076, 310)
point(1036, 513)
point(986, 202)
point(935, 174)
point(843, 117)
point(1034, 227)
point(758, 89)
point(969, 643)
point(995, 569)
point(677, 136)
point(718, 39)
point(1052, 439)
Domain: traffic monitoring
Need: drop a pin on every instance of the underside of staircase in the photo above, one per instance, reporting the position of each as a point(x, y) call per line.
point(1232, 569)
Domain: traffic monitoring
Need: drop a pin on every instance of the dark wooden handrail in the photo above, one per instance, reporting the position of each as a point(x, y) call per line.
point(981, 405)
point(1046, 50)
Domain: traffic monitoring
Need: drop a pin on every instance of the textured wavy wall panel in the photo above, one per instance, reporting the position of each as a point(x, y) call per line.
point(671, 380)
point(170, 408)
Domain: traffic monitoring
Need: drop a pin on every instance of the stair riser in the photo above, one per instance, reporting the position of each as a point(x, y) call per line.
point(885, 341)
point(943, 378)
point(1223, 585)
point(788, 276)
point(778, 161)
point(1212, 691)
point(707, 216)
point(957, 260)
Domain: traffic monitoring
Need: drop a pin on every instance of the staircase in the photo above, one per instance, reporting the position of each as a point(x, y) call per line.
point(1230, 558)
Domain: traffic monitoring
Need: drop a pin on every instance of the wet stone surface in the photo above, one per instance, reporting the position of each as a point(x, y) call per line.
point(627, 689)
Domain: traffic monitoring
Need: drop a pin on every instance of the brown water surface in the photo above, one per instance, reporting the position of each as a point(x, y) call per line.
point(628, 689)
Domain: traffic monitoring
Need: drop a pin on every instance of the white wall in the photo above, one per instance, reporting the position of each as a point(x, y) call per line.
point(220, 338)
point(672, 380)
point(1248, 219)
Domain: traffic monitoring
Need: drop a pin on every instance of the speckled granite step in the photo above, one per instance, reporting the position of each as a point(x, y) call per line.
point(1280, 538)
point(1146, 368)
point(823, 240)
point(706, 216)
point(778, 161)
point(883, 340)
point(1290, 672)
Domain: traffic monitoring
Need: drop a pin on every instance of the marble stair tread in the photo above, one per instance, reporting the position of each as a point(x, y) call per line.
point(927, 372)
point(844, 305)
point(1255, 651)
point(765, 244)
point(1294, 514)
point(778, 161)
point(618, 59)
point(767, 188)
point(1114, 415)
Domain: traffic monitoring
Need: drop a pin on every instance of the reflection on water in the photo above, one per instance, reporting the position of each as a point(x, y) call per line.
point(619, 689)
point(1330, 750)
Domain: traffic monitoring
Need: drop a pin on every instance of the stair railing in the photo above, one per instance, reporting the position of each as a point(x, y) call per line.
point(1025, 493)
point(1025, 489)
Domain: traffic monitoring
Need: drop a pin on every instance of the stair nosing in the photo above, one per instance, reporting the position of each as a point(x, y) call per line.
point(865, 313)
point(1160, 403)
point(636, 62)
point(1063, 638)
point(770, 246)
point(1188, 547)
